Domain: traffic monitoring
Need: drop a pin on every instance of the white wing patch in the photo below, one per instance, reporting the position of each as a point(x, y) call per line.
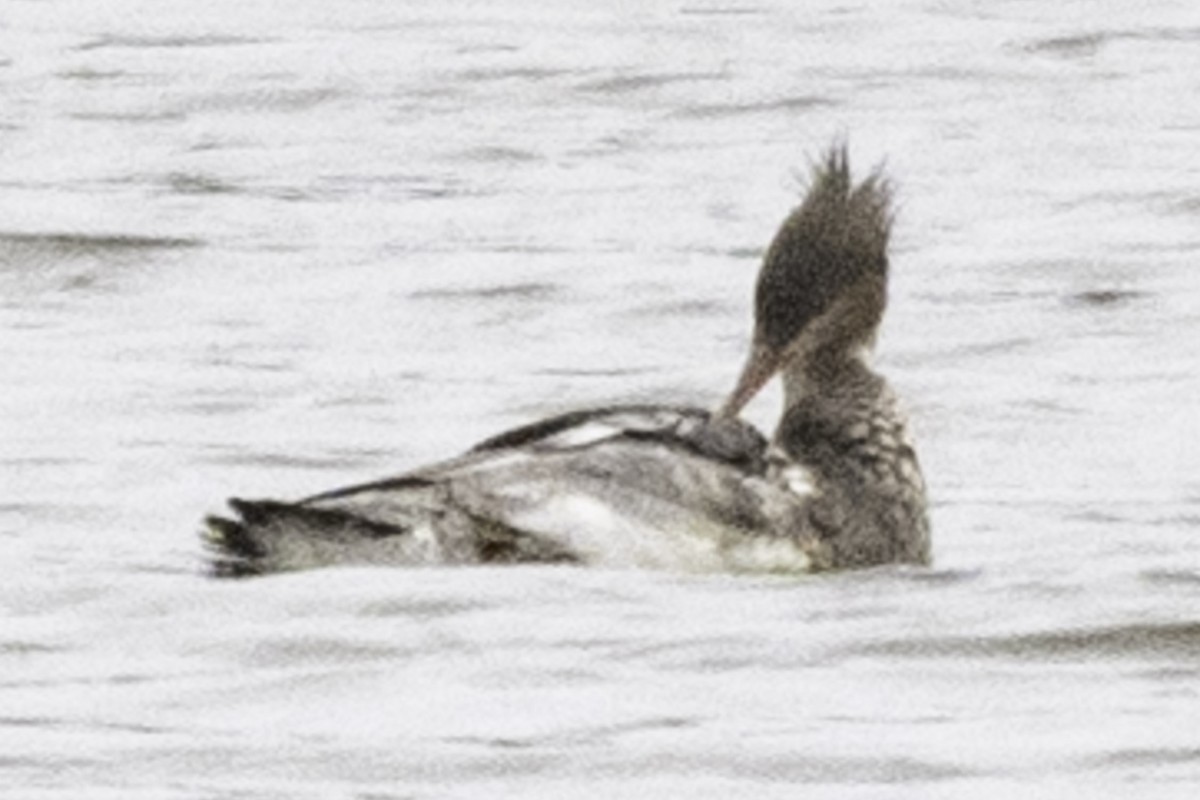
point(602, 534)
point(611, 426)
point(787, 474)
point(583, 435)
point(770, 554)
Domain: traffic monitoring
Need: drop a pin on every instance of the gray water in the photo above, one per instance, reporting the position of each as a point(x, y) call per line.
point(267, 249)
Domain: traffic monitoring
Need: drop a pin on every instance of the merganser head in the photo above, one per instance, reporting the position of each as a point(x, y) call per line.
point(823, 284)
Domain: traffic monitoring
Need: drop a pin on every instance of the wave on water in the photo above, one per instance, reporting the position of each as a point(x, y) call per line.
point(1171, 640)
point(13, 245)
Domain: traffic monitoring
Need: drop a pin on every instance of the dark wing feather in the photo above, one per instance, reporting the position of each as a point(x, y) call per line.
point(722, 439)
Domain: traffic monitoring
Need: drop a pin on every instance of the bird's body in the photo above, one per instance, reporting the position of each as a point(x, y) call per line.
point(661, 486)
point(632, 486)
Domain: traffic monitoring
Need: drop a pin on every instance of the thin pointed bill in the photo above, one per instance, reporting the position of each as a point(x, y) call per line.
point(760, 367)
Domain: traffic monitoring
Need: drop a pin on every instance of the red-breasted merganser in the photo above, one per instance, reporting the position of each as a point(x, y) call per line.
point(669, 487)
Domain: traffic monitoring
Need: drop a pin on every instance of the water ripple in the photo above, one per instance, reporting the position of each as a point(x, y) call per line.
point(1165, 640)
point(527, 291)
point(76, 244)
point(717, 110)
point(156, 42)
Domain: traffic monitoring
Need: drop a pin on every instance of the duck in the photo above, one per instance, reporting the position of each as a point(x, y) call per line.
point(668, 487)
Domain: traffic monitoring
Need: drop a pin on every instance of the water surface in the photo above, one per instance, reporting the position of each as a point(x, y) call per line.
point(264, 250)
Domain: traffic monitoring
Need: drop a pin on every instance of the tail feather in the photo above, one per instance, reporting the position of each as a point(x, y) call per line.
point(397, 529)
point(232, 537)
point(235, 551)
point(268, 535)
point(328, 522)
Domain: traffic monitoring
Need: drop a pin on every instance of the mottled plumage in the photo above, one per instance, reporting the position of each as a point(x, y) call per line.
point(820, 298)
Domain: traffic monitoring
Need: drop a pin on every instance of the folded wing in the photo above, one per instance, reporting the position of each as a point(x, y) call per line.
point(627, 486)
